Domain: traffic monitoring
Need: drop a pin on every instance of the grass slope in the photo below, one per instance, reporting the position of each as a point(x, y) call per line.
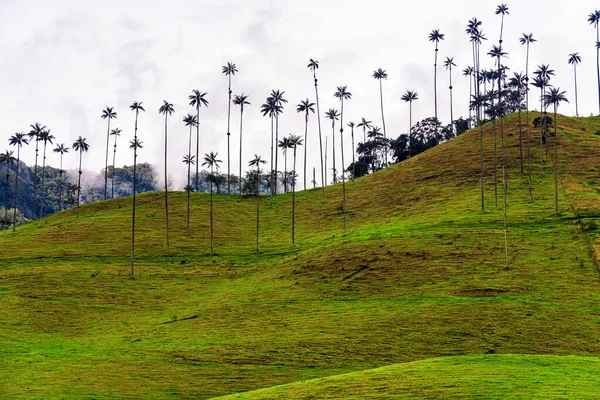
point(420, 274)
point(468, 377)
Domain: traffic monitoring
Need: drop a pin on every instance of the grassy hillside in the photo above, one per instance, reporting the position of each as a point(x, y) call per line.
point(420, 274)
point(468, 377)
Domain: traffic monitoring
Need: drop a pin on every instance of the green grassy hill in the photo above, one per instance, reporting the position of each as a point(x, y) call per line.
point(420, 274)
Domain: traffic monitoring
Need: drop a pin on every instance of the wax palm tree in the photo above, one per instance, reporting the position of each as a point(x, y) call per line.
point(502, 10)
point(269, 108)
point(435, 36)
point(543, 74)
point(60, 149)
point(18, 139)
point(284, 145)
point(409, 97)
point(519, 83)
point(277, 99)
point(343, 94)
point(229, 70)
point(8, 159)
point(448, 64)
point(294, 142)
point(594, 19)
point(333, 115)
point(198, 99)
point(116, 133)
point(469, 72)
point(108, 113)
point(575, 58)
point(191, 121)
point(306, 107)
point(478, 103)
point(255, 162)
point(134, 144)
point(81, 146)
point(364, 124)
point(34, 135)
point(351, 125)
point(526, 40)
point(241, 100)
point(379, 75)
point(313, 65)
point(167, 109)
point(476, 37)
point(210, 160)
point(553, 98)
point(45, 137)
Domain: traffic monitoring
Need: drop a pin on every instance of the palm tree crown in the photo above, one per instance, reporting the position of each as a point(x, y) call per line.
point(190, 120)
point(408, 97)
point(197, 99)
point(81, 145)
point(136, 106)
point(210, 159)
point(332, 114)
point(594, 18)
point(574, 58)
point(554, 97)
point(502, 9)
point(229, 69)
point(305, 106)
point(241, 100)
point(435, 36)
point(527, 39)
point(313, 65)
point(167, 108)
point(60, 148)
point(342, 93)
point(18, 139)
point(380, 74)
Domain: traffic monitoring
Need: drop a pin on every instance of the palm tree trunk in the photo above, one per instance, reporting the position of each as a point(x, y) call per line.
point(470, 96)
point(272, 171)
point(42, 191)
point(211, 212)
point(112, 193)
point(323, 172)
point(576, 104)
point(520, 137)
point(106, 160)
point(451, 109)
point(364, 134)
point(294, 200)
point(166, 183)
point(527, 123)
point(555, 165)
point(189, 184)
point(198, 142)
point(326, 158)
point(343, 177)
point(6, 194)
point(598, 61)
point(353, 157)
point(35, 180)
point(435, 81)
point(228, 147)
point(257, 208)
point(542, 131)
point(314, 178)
point(285, 175)
point(382, 117)
point(16, 187)
point(132, 273)
point(333, 148)
point(481, 165)
point(241, 128)
point(495, 164)
point(79, 181)
point(305, 146)
point(276, 151)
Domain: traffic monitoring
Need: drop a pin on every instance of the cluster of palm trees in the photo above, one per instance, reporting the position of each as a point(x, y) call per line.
point(485, 104)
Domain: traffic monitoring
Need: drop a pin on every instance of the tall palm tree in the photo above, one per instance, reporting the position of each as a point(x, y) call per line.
point(277, 99)
point(191, 121)
point(476, 37)
point(9, 160)
point(343, 94)
point(448, 64)
point(333, 115)
point(18, 139)
point(553, 98)
point(255, 162)
point(294, 142)
point(409, 97)
point(575, 58)
point(269, 108)
point(518, 83)
point(61, 149)
point(379, 75)
point(198, 99)
point(526, 40)
point(306, 107)
point(364, 124)
point(134, 144)
point(116, 133)
point(313, 65)
point(229, 70)
point(34, 135)
point(435, 36)
point(469, 72)
point(502, 10)
point(81, 146)
point(284, 145)
point(167, 109)
point(108, 113)
point(543, 73)
point(45, 137)
point(594, 19)
point(351, 125)
point(210, 160)
point(241, 100)
point(479, 102)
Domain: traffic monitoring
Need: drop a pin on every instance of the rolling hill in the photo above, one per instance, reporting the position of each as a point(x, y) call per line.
point(420, 275)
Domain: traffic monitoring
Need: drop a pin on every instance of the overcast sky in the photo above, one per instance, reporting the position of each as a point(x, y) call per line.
point(63, 61)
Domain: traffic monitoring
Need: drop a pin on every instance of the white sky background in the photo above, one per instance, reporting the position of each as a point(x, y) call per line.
point(62, 62)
